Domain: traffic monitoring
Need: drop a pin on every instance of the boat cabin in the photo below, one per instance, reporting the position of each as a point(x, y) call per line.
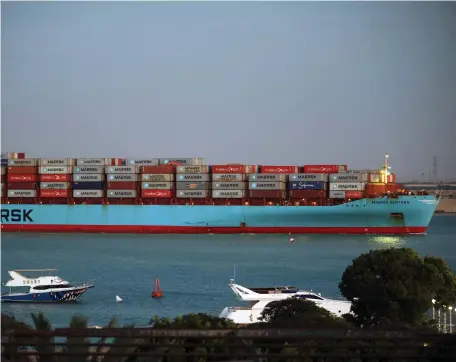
point(275, 290)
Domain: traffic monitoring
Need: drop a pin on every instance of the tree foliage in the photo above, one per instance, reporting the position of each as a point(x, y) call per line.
point(298, 313)
point(395, 287)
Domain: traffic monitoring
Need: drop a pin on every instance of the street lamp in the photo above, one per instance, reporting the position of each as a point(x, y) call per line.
point(444, 320)
point(433, 309)
point(451, 326)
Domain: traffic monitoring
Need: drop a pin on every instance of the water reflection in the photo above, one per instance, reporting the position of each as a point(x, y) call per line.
point(390, 241)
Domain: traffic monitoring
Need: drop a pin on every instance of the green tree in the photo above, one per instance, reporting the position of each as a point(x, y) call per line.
point(299, 313)
point(393, 287)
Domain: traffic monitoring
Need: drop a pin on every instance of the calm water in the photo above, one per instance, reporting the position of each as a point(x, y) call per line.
point(193, 270)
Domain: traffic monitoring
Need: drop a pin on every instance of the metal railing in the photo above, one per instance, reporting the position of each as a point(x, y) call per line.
point(262, 345)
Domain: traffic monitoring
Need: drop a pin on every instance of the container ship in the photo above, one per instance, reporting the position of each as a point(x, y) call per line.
point(119, 195)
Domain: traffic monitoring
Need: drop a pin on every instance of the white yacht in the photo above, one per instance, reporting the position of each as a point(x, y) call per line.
point(259, 298)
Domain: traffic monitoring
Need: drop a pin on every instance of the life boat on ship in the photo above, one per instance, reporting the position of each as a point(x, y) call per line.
point(157, 292)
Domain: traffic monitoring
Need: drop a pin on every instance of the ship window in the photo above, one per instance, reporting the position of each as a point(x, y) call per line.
point(43, 287)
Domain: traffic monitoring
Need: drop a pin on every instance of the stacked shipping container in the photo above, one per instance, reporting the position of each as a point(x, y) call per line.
point(22, 178)
point(55, 177)
point(228, 181)
point(186, 179)
point(157, 181)
point(193, 182)
point(122, 182)
point(308, 186)
point(89, 178)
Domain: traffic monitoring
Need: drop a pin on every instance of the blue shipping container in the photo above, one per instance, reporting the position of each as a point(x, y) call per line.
point(4, 162)
point(88, 185)
point(306, 185)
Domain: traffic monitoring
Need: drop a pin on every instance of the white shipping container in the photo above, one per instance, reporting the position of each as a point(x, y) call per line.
point(182, 161)
point(89, 169)
point(122, 177)
point(228, 194)
point(88, 193)
point(122, 169)
point(89, 177)
point(202, 177)
point(268, 177)
point(337, 194)
point(229, 185)
point(228, 177)
point(142, 162)
point(54, 170)
point(343, 186)
point(157, 185)
point(192, 169)
point(317, 177)
point(21, 193)
point(348, 177)
point(56, 161)
point(197, 194)
point(55, 185)
point(93, 161)
point(23, 162)
point(267, 185)
point(121, 194)
point(162, 177)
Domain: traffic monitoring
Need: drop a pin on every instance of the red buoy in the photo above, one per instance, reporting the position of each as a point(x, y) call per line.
point(157, 292)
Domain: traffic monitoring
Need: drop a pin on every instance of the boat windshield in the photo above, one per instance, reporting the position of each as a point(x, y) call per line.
point(309, 296)
point(54, 286)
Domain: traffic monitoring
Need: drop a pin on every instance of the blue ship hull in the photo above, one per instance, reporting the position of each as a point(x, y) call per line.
point(402, 215)
point(46, 297)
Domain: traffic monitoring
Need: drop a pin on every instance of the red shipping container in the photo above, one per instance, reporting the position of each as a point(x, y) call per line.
point(307, 194)
point(23, 170)
point(324, 168)
point(266, 194)
point(279, 169)
point(22, 186)
point(354, 194)
point(54, 178)
point(22, 178)
point(55, 193)
point(160, 194)
point(117, 162)
point(3, 178)
point(166, 169)
point(122, 185)
point(228, 169)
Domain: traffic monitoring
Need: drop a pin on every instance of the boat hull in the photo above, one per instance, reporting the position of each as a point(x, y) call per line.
point(45, 297)
point(366, 216)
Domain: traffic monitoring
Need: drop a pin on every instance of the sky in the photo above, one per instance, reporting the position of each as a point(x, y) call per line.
point(258, 82)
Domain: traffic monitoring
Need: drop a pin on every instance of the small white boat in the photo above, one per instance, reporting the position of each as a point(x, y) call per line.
point(259, 298)
point(118, 299)
point(44, 288)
